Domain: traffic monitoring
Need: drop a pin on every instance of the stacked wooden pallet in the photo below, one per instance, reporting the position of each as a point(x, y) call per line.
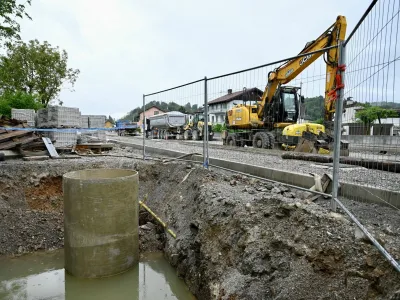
point(18, 139)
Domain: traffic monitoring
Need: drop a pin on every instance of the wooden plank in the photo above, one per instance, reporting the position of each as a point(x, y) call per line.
point(307, 157)
point(13, 134)
point(10, 154)
point(36, 158)
point(389, 166)
point(50, 147)
point(12, 144)
point(94, 146)
point(69, 157)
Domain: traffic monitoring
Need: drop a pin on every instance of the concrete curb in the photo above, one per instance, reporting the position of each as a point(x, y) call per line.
point(352, 191)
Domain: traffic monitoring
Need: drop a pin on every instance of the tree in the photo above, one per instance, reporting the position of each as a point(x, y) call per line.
point(182, 109)
point(9, 12)
point(17, 100)
point(314, 108)
point(36, 68)
point(370, 113)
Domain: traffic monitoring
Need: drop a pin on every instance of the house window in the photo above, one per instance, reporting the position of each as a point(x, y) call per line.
point(156, 112)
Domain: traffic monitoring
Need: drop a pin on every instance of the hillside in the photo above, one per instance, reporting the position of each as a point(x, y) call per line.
point(171, 106)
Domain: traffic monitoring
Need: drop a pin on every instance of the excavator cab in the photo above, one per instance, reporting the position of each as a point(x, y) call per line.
point(284, 107)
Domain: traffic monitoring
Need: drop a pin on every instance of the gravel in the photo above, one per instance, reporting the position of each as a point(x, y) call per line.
point(272, 159)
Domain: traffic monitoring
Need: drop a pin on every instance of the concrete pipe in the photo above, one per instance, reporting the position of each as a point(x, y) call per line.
point(101, 213)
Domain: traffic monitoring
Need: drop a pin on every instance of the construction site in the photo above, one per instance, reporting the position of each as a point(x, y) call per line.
point(235, 196)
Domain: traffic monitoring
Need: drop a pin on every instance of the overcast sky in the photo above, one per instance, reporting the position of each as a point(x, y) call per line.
point(125, 48)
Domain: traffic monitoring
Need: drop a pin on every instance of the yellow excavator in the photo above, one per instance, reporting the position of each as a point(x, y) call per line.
point(273, 118)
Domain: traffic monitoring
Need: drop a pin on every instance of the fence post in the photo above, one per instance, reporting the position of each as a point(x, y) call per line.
point(338, 128)
point(144, 127)
point(205, 130)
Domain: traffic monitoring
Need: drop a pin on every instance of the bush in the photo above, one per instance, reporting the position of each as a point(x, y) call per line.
point(319, 121)
point(219, 127)
point(18, 100)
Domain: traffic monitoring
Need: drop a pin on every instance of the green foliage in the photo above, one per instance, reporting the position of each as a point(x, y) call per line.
point(19, 100)
point(369, 114)
point(164, 106)
point(314, 108)
point(219, 127)
point(36, 69)
point(10, 12)
point(319, 121)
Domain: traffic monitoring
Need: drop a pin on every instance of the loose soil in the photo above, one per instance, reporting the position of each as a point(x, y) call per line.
point(237, 238)
point(46, 196)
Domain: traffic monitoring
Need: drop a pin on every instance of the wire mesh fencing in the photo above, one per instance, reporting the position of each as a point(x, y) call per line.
point(176, 114)
point(233, 118)
point(370, 174)
point(236, 110)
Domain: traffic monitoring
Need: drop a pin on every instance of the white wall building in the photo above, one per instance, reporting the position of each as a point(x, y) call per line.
point(217, 108)
point(349, 119)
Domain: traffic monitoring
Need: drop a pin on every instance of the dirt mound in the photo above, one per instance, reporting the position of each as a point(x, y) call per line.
point(243, 239)
point(237, 238)
point(26, 231)
point(47, 195)
point(31, 208)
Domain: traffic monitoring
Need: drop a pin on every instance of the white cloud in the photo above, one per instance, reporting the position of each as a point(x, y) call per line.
point(126, 48)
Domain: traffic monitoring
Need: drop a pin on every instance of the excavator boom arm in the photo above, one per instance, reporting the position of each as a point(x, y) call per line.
point(289, 70)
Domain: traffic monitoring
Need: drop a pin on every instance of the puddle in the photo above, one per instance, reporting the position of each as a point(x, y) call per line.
point(41, 276)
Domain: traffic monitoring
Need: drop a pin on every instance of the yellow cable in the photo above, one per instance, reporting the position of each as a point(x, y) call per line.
point(158, 219)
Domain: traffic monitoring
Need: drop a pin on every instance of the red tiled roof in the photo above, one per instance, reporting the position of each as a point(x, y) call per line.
point(249, 94)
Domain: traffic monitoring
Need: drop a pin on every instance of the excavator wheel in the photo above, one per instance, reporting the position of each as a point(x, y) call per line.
point(195, 135)
point(261, 140)
point(231, 140)
point(271, 140)
point(186, 135)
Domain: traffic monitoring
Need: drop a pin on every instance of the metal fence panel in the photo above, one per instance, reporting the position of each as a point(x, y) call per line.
point(174, 119)
point(370, 121)
point(367, 117)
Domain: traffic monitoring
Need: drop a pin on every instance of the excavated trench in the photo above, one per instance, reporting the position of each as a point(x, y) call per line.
point(237, 238)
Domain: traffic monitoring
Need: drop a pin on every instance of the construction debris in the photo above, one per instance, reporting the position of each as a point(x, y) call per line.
point(90, 148)
point(22, 141)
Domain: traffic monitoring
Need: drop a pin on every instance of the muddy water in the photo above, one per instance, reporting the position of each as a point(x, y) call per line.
point(41, 276)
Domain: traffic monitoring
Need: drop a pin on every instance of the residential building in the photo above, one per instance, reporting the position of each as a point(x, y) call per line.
point(152, 111)
point(108, 124)
point(352, 127)
point(217, 108)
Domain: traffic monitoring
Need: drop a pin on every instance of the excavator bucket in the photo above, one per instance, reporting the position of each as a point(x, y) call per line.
point(319, 144)
point(307, 143)
point(304, 146)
